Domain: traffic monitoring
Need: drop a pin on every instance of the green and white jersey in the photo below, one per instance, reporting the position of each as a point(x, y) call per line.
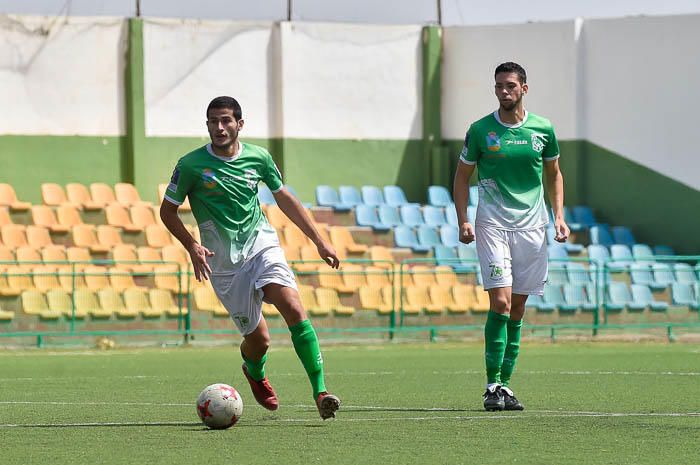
point(223, 194)
point(509, 159)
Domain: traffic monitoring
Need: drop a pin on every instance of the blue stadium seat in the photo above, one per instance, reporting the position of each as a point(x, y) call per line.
point(598, 253)
point(367, 216)
point(600, 235)
point(684, 273)
point(326, 196)
point(577, 273)
point(349, 195)
point(372, 195)
point(427, 236)
point(557, 272)
point(448, 256)
point(623, 235)
point(405, 236)
point(663, 275)
point(410, 215)
point(642, 253)
point(389, 215)
point(584, 216)
point(557, 251)
point(578, 295)
point(449, 235)
point(619, 298)
point(439, 196)
point(570, 247)
point(451, 214)
point(664, 250)
point(471, 214)
point(395, 196)
point(640, 273)
point(469, 258)
point(433, 216)
point(622, 257)
point(553, 295)
point(685, 295)
point(265, 195)
point(641, 295)
point(474, 196)
point(574, 225)
point(539, 304)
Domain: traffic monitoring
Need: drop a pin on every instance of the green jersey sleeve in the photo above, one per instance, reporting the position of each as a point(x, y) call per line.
point(470, 151)
point(180, 184)
point(551, 148)
point(272, 176)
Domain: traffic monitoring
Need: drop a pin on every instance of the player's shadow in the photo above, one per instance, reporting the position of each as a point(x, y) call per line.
point(403, 409)
point(109, 425)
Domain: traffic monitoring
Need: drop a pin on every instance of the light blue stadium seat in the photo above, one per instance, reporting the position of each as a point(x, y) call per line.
point(449, 235)
point(663, 275)
point(621, 256)
point(640, 273)
point(684, 273)
point(664, 250)
point(469, 258)
point(439, 196)
point(574, 225)
point(405, 236)
point(474, 196)
point(372, 195)
point(427, 236)
point(642, 253)
point(570, 247)
point(410, 215)
point(433, 216)
point(557, 273)
point(326, 196)
point(471, 215)
point(294, 193)
point(349, 195)
point(367, 216)
point(685, 295)
point(598, 253)
point(583, 215)
point(623, 235)
point(539, 304)
point(600, 235)
point(553, 295)
point(620, 297)
point(578, 273)
point(641, 295)
point(265, 195)
point(557, 251)
point(578, 295)
point(389, 215)
point(394, 196)
point(448, 256)
point(451, 214)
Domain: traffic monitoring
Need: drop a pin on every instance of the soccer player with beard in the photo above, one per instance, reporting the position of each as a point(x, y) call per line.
point(240, 252)
point(511, 147)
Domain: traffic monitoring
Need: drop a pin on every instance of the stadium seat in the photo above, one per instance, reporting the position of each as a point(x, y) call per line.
point(353, 276)
point(619, 298)
point(205, 300)
point(434, 216)
point(328, 299)
point(68, 216)
point(61, 301)
point(557, 251)
point(442, 297)
point(367, 216)
point(108, 236)
point(14, 279)
point(341, 238)
point(27, 253)
point(6, 315)
point(573, 225)
point(102, 194)
point(42, 215)
point(14, 235)
point(142, 216)
point(277, 218)
point(445, 255)
point(34, 303)
point(332, 279)
point(395, 196)
point(162, 301)
point(52, 194)
point(621, 256)
point(600, 235)
point(126, 259)
point(8, 198)
point(406, 237)
point(584, 216)
point(326, 196)
point(265, 195)
point(474, 196)
point(86, 303)
point(623, 235)
point(663, 275)
point(84, 235)
point(5, 216)
point(684, 273)
point(557, 273)
point(445, 276)
point(118, 217)
point(111, 299)
point(377, 277)
point(136, 298)
point(166, 277)
point(146, 254)
point(439, 196)
point(7, 257)
point(410, 215)
point(389, 215)
point(127, 195)
point(451, 215)
point(38, 237)
point(158, 236)
point(308, 299)
point(469, 260)
point(642, 253)
point(162, 188)
point(570, 247)
point(449, 235)
point(577, 295)
point(372, 195)
point(176, 254)
point(427, 236)
point(664, 250)
point(294, 237)
point(45, 278)
point(349, 195)
point(685, 295)
point(381, 256)
point(403, 305)
point(423, 276)
point(553, 295)
point(537, 302)
point(96, 277)
point(79, 256)
point(642, 295)
point(418, 296)
point(371, 299)
point(121, 280)
point(640, 273)
point(598, 253)
point(79, 195)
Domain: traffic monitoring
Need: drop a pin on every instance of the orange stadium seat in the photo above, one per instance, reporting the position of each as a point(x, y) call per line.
point(14, 235)
point(126, 259)
point(442, 296)
point(111, 300)
point(308, 299)
point(401, 303)
point(86, 302)
point(118, 217)
point(52, 194)
point(162, 300)
point(8, 198)
point(332, 279)
point(158, 236)
point(161, 194)
point(445, 276)
point(328, 299)
point(27, 253)
point(108, 236)
point(102, 194)
point(418, 296)
point(142, 216)
point(166, 278)
point(136, 298)
point(371, 299)
point(342, 239)
point(79, 195)
point(78, 254)
point(353, 276)
point(206, 300)
point(68, 215)
point(277, 219)
point(6, 255)
point(38, 236)
point(127, 195)
point(122, 280)
point(84, 235)
point(96, 277)
point(147, 254)
point(54, 253)
point(381, 256)
point(42, 215)
point(378, 277)
point(5, 217)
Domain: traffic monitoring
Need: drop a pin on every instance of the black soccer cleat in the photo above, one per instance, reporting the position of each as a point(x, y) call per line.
point(493, 399)
point(510, 401)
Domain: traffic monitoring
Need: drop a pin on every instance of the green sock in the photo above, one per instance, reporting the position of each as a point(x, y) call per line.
point(495, 342)
point(256, 370)
point(512, 350)
point(307, 349)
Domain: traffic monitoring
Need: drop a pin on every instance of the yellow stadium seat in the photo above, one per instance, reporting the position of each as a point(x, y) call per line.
point(52, 194)
point(332, 279)
point(418, 296)
point(482, 300)
point(72, 278)
point(445, 276)
point(6, 255)
point(8, 198)
point(342, 239)
point(6, 315)
point(118, 217)
point(121, 280)
point(28, 255)
point(79, 256)
point(399, 303)
point(354, 276)
point(14, 235)
point(291, 253)
point(5, 288)
point(161, 194)
point(423, 276)
point(55, 253)
point(147, 256)
point(5, 217)
point(371, 299)
point(111, 300)
point(158, 236)
point(293, 237)
point(269, 310)
point(308, 253)
point(277, 218)
point(142, 216)
point(60, 300)
point(102, 194)
point(162, 300)
point(381, 256)
point(96, 277)
point(310, 303)
point(85, 236)
point(328, 299)
point(34, 303)
point(125, 258)
point(177, 254)
point(79, 195)
point(108, 236)
point(68, 216)
point(127, 194)
point(378, 277)
point(205, 299)
point(19, 278)
point(166, 278)
point(45, 278)
point(136, 298)
point(442, 296)
point(86, 302)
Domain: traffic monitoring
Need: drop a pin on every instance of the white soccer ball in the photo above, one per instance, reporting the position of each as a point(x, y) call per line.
point(219, 406)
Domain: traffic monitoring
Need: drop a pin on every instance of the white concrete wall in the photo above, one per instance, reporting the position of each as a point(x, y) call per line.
point(187, 63)
point(345, 81)
point(59, 75)
point(640, 91)
point(547, 51)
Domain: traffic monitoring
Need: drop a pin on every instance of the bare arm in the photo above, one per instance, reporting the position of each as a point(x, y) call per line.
point(291, 207)
point(460, 194)
point(198, 253)
point(555, 189)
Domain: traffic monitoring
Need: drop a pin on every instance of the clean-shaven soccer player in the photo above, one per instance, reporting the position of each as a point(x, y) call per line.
point(240, 252)
point(510, 147)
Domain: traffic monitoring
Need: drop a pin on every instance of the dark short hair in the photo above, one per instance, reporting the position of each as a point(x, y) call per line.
point(226, 102)
point(511, 67)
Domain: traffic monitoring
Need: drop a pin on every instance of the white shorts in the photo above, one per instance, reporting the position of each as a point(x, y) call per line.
point(241, 293)
point(516, 259)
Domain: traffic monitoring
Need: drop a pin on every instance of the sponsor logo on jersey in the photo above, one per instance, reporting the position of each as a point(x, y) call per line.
point(209, 178)
point(516, 142)
point(493, 142)
point(538, 141)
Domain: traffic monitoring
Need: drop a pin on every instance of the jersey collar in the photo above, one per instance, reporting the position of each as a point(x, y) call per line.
point(239, 150)
point(508, 125)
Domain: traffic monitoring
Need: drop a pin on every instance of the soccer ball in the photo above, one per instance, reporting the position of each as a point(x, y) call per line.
point(219, 406)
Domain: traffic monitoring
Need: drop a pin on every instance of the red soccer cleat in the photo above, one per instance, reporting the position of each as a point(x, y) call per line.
point(262, 391)
point(327, 405)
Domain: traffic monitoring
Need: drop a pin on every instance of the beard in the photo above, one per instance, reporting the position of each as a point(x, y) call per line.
point(230, 140)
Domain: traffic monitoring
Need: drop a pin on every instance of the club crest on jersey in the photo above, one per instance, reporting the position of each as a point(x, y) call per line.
point(538, 141)
point(493, 142)
point(209, 178)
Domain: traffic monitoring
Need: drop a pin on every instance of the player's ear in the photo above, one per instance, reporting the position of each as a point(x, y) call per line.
point(525, 88)
point(240, 124)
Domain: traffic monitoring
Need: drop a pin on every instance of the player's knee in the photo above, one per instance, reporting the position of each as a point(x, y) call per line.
point(500, 305)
